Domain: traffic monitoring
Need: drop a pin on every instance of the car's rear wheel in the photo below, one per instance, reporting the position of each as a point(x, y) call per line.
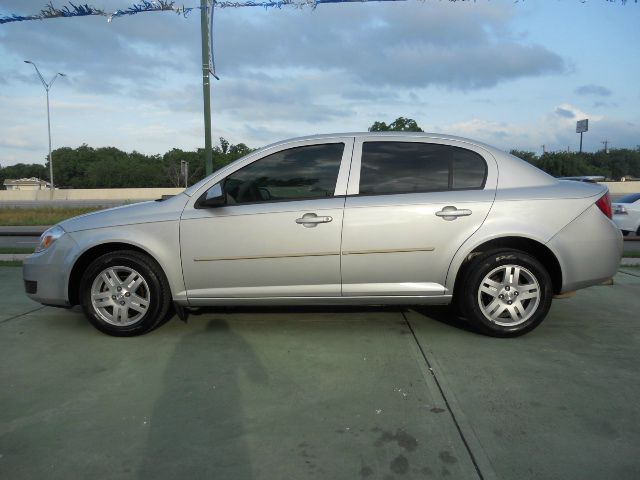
point(125, 293)
point(505, 293)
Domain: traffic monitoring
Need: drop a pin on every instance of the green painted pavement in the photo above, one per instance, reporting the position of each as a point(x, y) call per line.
point(561, 402)
point(325, 393)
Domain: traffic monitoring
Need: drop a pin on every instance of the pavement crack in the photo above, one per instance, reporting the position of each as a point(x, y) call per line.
point(444, 397)
point(21, 315)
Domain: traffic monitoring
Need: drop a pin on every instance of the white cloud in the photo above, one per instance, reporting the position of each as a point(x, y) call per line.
point(555, 131)
point(597, 90)
point(134, 83)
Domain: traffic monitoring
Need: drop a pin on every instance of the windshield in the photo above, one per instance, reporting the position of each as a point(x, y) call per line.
point(630, 198)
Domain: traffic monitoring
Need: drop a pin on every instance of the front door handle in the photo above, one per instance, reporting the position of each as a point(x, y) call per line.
point(451, 213)
point(311, 220)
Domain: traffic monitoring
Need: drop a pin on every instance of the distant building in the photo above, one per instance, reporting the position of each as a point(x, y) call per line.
point(26, 184)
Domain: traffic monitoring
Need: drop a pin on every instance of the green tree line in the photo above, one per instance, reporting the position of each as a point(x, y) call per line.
point(613, 165)
point(109, 167)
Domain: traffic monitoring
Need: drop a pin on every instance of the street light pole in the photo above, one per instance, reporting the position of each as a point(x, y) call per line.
point(47, 87)
point(51, 190)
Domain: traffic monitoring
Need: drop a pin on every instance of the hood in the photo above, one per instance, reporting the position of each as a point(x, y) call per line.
point(144, 212)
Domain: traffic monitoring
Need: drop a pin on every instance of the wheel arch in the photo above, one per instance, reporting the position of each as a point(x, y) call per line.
point(536, 249)
point(83, 261)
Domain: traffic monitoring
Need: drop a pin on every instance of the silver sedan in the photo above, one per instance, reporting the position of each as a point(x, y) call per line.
point(357, 218)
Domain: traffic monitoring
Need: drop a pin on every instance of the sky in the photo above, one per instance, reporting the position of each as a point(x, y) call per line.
point(514, 74)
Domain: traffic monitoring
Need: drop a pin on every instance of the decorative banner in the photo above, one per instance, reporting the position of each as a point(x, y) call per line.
point(85, 10)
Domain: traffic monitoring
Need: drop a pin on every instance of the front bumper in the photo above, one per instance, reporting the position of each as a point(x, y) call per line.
point(46, 274)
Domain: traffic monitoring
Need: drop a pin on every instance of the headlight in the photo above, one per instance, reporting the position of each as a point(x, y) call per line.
point(49, 237)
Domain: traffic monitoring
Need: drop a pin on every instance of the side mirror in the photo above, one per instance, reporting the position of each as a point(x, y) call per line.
point(214, 197)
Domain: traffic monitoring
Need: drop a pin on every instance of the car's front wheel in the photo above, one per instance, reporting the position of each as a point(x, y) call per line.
point(505, 293)
point(125, 293)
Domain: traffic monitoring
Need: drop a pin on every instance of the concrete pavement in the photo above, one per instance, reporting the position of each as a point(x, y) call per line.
point(324, 393)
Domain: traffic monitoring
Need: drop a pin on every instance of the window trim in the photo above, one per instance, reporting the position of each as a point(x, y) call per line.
point(353, 189)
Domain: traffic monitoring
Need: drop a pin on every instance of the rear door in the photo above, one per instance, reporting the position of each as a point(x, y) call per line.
point(411, 203)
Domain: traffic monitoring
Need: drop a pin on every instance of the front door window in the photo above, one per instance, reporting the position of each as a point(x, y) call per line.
point(301, 173)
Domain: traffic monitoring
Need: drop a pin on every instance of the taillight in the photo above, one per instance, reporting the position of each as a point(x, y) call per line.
point(604, 204)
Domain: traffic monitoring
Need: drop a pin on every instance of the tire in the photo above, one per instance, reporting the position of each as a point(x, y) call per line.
point(487, 290)
point(125, 293)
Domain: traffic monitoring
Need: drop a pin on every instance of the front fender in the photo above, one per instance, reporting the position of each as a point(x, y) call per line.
point(160, 240)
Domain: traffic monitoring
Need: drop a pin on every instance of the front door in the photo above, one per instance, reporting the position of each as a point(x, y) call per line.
point(279, 233)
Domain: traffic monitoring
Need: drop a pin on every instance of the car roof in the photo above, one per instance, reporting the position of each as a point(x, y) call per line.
point(426, 135)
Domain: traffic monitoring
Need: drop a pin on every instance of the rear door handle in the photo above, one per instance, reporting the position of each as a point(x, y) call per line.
point(451, 213)
point(311, 220)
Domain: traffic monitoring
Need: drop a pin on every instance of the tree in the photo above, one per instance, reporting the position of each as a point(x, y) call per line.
point(22, 170)
point(224, 144)
point(530, 157)
point(614, 165)
point(400, 124)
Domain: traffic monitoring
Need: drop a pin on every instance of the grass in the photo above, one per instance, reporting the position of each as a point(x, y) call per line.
point(10, 263)
point(16, 250)
point(631, 255)
point(11, 217)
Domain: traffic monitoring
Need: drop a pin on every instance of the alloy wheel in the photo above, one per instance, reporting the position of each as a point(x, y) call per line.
point(120, 296)
point(509, 295)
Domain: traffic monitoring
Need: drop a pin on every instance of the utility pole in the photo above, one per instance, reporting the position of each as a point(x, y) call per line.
point(206, 88)
point(606, 146)
point(544, 149)
point(184, 170)
point(47, 87)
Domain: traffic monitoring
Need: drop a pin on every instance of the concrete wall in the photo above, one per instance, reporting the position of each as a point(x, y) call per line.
point(622, 188)
point(138, 194)
point(125, 194)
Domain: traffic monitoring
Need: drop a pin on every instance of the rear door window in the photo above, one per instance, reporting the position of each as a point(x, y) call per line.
point(411, 167)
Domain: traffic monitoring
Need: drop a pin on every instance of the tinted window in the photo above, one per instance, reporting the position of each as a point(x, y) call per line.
point(406, 167)
point(395, 167)
point(303, 172)
point(469, 169)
